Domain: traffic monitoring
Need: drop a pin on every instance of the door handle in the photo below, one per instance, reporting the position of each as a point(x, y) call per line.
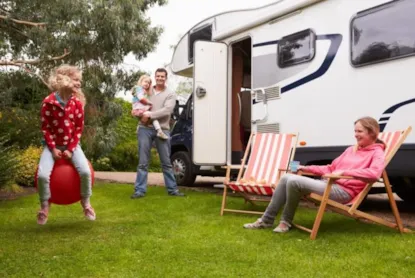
point(200, 92)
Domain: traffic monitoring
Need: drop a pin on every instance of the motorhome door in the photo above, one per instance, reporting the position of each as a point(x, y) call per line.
point(210, 103)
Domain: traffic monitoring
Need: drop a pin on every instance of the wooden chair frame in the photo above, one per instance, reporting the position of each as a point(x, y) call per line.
point(242, 167)
point(352, 211)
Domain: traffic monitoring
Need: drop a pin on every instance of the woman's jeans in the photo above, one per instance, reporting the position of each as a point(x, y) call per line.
point(289, 191)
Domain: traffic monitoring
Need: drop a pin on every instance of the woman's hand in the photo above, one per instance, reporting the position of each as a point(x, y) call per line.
point(300, 167)
point(338, 172)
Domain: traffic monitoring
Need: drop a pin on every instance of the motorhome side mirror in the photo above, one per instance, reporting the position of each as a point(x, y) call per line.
point(176, 113)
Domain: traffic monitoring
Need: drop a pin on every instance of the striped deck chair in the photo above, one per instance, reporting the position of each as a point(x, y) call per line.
point(270, 155)
point(393, 141)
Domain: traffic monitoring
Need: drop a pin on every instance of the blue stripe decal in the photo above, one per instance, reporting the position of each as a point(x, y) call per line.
point(265, 43)
point(392, 109)
point(336, 40)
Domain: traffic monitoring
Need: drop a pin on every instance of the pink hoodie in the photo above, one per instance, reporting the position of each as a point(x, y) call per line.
point(367, 163)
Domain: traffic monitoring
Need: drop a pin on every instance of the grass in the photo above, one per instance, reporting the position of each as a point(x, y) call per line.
point(162, 236)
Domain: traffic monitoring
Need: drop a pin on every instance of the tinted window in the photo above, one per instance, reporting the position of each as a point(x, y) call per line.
point(204, 34)
point(190, 113)
point(296, 48)
point(383, 33)
point(188, 109)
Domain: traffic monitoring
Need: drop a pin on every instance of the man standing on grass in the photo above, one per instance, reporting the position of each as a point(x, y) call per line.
point(163, 101)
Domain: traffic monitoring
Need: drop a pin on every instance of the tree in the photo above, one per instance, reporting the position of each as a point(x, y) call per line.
point(185, 87)
point(96, 35)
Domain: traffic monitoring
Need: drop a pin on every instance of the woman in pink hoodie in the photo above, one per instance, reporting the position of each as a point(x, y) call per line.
point(364, 161)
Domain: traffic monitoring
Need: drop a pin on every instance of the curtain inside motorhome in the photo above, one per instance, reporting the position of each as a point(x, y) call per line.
point(237, 78)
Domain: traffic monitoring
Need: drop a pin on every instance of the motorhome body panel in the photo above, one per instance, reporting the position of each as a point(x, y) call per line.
point(322, 97)
point(228, 24)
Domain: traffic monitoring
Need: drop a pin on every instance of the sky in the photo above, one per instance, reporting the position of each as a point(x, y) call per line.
point(177, 17)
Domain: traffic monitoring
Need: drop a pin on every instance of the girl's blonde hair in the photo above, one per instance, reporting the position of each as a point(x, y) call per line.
point(61, 78)
point(372, 128)
point(141, 79)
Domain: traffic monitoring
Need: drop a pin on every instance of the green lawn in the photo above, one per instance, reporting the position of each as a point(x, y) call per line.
point(162, 236)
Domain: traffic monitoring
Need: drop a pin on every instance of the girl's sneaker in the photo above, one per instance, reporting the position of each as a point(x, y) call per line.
point(88, 210)
point(89, 213)
point(162, 135)
point(42, 216)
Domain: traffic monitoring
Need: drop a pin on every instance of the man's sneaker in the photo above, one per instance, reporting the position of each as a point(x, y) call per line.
point(137, 195)
point(162, 135)
point(259, 224)
point(42, 216)
point(177, 194)
point(89, 213)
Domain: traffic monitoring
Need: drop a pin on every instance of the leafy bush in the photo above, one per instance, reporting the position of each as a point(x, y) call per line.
point(124, 158)
point(99, 136)
point(21, 125)
point(126, 124)
point(28, 162)
point(8, 164)
point(102, 164)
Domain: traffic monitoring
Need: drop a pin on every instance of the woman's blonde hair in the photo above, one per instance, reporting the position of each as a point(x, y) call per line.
point(372, 128)
point(61, 78)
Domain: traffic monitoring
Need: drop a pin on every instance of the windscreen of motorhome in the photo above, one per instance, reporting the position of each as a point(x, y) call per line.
point(203, 34)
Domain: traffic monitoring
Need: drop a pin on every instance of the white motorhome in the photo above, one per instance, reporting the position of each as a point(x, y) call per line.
point(313, 67)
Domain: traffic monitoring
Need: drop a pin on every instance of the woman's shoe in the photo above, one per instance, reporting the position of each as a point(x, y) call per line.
point(282, 228)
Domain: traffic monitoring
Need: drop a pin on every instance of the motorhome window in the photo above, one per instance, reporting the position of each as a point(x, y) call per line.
point(296, 48)
point(383, 33)
point(204, 34)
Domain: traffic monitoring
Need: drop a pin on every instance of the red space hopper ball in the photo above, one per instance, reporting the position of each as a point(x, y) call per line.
point(65, 183)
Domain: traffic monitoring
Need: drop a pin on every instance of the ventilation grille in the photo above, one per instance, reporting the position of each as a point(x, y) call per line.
point(269, 128)
point(270, 92)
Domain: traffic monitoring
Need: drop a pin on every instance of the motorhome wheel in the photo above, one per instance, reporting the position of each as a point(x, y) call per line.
point(183, 169)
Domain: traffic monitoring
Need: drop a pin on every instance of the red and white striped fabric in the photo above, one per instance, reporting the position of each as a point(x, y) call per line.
point(391, 139)
point(270, 152)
